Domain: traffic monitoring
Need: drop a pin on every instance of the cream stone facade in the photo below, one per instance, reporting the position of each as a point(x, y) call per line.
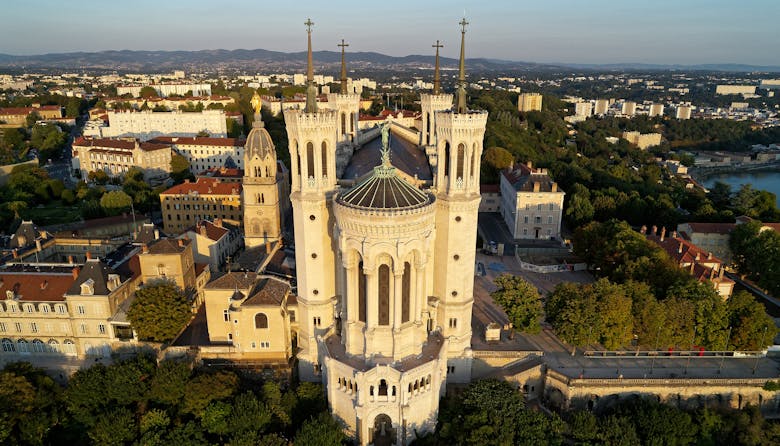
point(146, 125)
point(206, 153)
point(185, 204)
point(117, 156)
point(385, 265)
point(529, 102)
point(531, 203)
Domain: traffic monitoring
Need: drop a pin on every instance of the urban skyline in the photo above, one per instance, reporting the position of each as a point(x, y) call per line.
point(598, 32)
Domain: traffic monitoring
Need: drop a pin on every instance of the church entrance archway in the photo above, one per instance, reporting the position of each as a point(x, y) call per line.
point(383, 433)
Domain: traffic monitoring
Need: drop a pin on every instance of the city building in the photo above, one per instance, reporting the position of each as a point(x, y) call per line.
point(642, 140)
point(701, 264)
point(17, 116)
point(165, 90)
point(629, 108)
point(213, 242)
point(735, 89)
point(683, 112)
point(584, 109)
point(146, 125)
point(206, 153)
point(531, 203)
point(185, 204)
point(529, 102)
point(655, 110)
point(251, 316)
point(116, 156)
point(62, 309)
point(602, 105)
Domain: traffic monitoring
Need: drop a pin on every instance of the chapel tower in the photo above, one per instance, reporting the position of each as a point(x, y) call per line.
point(261, 184)
point(312, 143)
point(347, 105)
point(459, 139)
point(430, 103)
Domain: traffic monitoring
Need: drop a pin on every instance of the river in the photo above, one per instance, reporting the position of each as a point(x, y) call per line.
point(769, 181)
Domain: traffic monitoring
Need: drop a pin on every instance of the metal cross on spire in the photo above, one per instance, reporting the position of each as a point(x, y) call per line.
point(436, 76)
point(461, 92)
point(343, 68)
point(311, 90)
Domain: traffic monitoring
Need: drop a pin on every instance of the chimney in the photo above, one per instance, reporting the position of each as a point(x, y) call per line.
point(709, 255)
point(674, 234)
point(693, 265)
point(680, 248)
point(75, 272)
point(536, 186)
point(44, 284)
point(643, 229)
point(698, 256)
point(202, 227)
point(218, 222)
point(655, 230)
point(555, 187)
point(187, 181)
point(89, 255)
point(721, 272)
point(529, 165)
point(145, 248)
point(663, 233)
point(70, 260)
point(181, 243)
point(156, 234)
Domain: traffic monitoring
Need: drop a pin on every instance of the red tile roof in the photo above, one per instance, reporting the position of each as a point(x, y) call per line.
point(683, 251)
point(712, 228)
point(26, 110)
point(122, 144)
point(205, 186)
point(35, 287)
point(212, 231)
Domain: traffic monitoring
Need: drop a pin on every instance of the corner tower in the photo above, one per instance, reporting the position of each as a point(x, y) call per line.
point(347, 106)
point(459, 142)
point(312, 143)
point(261, 184)
point(430, 103)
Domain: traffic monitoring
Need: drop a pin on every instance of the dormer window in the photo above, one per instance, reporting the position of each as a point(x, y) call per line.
point(113, 282)
point(88, 288)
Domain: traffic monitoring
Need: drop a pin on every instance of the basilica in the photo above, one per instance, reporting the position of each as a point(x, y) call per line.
point(384, 252)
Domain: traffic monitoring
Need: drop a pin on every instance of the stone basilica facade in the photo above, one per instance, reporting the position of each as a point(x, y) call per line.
point(384, 250)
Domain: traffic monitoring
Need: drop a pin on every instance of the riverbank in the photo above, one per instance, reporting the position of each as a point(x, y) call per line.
point(702, 174)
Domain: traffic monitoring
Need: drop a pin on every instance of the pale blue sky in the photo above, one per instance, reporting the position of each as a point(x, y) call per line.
point(576, 31)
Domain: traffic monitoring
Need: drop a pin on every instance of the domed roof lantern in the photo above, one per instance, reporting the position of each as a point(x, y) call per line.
point(259, 142)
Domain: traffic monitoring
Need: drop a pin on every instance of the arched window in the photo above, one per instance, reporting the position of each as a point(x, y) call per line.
point(384, 295)
point(343, 123)
point(22, 346)
point(447, 159)
point(406, 285)
point(8, 346)
point(261, 320)
point(473, 160)
point(382, 387)
point(428, 136)
point(461, 160)
point(309, 160)
point(351, 122)
point(262, 198)
point(361, 293)
point(267, 172)
point(324, 159)
point(38, 346)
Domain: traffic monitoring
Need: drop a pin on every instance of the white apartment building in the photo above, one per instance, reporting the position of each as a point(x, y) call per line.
point(164, 90)
point(656, 110)
point(531, 203)
point(735, 89)
point(683, 112)
point(205, 153)
point(629, 108)
point(583, 109)
point(146, 125)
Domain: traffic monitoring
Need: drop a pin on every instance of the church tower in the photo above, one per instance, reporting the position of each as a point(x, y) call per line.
point(312, 142)
point(347, 105)
point(261, 184)
point(430, 104)
point(459, 139)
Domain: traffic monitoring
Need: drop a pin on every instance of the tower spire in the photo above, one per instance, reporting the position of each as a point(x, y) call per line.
point(436, 76)
point(311, 90)
point(343, 68)
point(461, 92)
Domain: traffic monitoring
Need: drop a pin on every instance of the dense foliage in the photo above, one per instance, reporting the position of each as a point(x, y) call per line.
point(137, 402)
point(159, 311)
point(757, 254)
point(643, 295)
point(520, 300)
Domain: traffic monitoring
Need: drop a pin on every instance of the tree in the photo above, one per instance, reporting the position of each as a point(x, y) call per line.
point(115, 202)
point(203, 134)
point(498, 158)
point(98, 177)
point(580, 210)
point(520, 301)
point(13, 139)
point(168, 385)
point(757, 254)
point(159, 312)
point(148, 92)
point(48, 139)
point(614, 309)
point(180, 168)
point(32, 118)
point(208, 387)
point(320, 431)
point(749, 323)
point(114, 427)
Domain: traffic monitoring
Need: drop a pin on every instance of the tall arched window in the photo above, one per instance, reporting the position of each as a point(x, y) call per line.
point(361, 293)
point(406, 285)
point(343, 123)
point(461, 160)
point(382, 387)
point(473, 160)
point(324, 159)
point(261, 320)
point(384, 295)
point(428, 136)
point(351, 122)
point(447, 159)
point(309, 160)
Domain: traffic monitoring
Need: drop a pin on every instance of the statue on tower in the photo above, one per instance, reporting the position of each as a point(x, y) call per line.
point(257, 105)
point(386, 143)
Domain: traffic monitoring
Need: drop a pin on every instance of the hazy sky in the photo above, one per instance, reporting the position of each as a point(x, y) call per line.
point(577, 31)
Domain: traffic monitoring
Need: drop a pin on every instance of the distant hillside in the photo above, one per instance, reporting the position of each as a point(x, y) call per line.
point(260, 59)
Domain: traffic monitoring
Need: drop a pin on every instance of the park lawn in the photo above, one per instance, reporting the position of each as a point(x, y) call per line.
point(52, 213)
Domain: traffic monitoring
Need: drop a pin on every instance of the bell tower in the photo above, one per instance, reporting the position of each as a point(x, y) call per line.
point(347, 106)
point(459, 140)
point(261, 184)
point(312, 137)
point(430, 103)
